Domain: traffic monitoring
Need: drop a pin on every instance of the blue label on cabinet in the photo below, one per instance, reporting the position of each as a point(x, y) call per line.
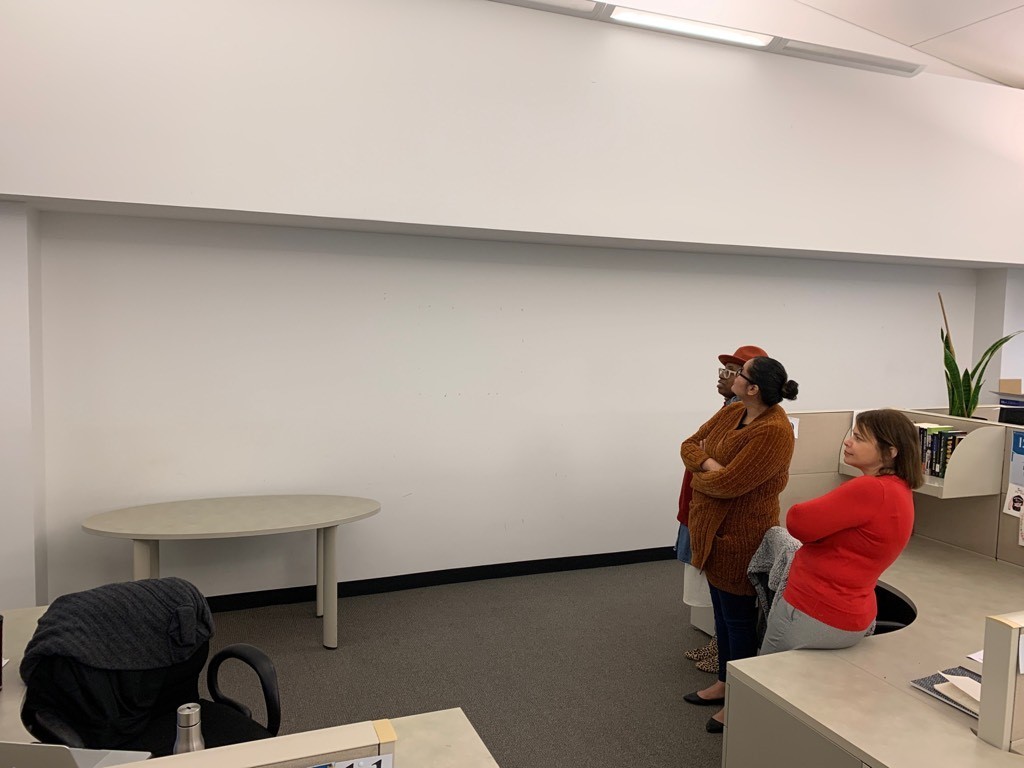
point(1018, 442)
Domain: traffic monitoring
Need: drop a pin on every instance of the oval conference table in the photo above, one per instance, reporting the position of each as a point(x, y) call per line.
point(238, 516)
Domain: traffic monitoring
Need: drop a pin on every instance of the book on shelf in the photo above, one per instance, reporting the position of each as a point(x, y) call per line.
point(948, 441)
point(958, 686)
point(1009, 398)
point(931, 445)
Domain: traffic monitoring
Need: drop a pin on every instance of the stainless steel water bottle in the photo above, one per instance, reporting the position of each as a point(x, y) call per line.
point(190, 730)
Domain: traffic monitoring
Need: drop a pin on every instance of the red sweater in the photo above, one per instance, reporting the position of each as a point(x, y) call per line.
point(850, 535)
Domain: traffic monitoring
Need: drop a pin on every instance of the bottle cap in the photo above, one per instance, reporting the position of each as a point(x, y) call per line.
point(188, 715)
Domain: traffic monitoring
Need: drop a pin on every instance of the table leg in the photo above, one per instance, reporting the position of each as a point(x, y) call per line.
point(145, 559)
point(319, 572)
point(330, 588)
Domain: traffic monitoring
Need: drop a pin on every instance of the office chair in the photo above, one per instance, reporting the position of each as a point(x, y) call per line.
point(107, 668)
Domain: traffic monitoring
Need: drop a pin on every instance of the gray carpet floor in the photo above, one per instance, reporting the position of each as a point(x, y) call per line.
point(575, 668)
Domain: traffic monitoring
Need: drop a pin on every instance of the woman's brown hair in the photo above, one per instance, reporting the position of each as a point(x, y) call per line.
point(891, 429)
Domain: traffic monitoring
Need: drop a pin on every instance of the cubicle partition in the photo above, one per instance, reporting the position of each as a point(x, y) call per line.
point(1001, 723)
point(1008, 548)
point(963, 508)
point(975, 521)
point(817, 455)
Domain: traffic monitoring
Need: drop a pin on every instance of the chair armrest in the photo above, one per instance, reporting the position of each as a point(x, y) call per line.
point(265, 671)
point(51, 729)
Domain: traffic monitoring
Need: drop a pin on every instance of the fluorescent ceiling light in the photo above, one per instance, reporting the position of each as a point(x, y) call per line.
point(586, 6)
point(845, 58)
point(600, 11)
point(572, 6)
point(690, 28)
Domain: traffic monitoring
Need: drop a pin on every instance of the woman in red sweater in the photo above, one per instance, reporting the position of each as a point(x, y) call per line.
point(850, 535)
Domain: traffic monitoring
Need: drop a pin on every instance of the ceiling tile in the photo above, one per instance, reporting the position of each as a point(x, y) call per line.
point(991, 48)
point(913, 21)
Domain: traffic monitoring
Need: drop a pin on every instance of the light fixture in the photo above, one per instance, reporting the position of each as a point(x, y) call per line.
point(689, 28)
point(844, 58)
point(583, 8)
point(673, 25)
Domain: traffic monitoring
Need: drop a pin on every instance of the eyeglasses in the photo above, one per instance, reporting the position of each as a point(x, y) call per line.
point(742, 375)
point(726, 373)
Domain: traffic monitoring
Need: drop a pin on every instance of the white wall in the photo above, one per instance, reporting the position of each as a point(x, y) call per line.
point(989, 324)
point(1012, 360)
point(999, 302)
point(21, 500)
point(468, 113)
point(503, 401)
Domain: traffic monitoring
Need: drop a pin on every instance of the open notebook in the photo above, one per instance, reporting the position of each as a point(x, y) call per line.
point(13, 755)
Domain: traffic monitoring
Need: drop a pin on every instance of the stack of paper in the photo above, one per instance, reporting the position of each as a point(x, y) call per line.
point(965, 691)
point(959, 687)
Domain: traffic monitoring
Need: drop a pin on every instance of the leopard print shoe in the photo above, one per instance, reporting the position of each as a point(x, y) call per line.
point(709, 664)
point(706, 652)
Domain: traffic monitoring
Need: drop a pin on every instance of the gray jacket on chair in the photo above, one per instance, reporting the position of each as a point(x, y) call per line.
point(769, 567)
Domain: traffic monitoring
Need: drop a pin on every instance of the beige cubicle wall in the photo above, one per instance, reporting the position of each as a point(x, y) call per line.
point(814, 469)
point(969, 523)
point(1008, 547)
point(972, 518)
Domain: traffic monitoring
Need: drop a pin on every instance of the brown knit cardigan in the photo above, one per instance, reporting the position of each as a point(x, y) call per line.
point(732, 508)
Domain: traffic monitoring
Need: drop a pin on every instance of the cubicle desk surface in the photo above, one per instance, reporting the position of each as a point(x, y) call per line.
point(239, 516)
point(444, 739)
point(858, 702)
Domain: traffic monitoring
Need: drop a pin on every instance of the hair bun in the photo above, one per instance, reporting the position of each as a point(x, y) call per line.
point(790, 390)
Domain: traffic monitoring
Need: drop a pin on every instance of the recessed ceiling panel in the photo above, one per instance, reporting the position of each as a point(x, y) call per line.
point(994, 48)
point(913, 21)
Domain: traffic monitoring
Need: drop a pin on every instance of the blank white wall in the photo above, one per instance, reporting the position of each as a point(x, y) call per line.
point(503, 401)
point(477, 114)
point(1012, 362)
point(1000, 311)
point(989, 326)
point(21, 501)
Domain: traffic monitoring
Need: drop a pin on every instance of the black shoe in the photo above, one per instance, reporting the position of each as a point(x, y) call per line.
point(713, 726)
point(693, 698)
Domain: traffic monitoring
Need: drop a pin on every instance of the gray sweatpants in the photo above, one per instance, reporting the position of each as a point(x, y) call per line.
point(790, 629)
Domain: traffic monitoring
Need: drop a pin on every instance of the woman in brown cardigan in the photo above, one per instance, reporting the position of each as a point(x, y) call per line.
point(740, 464)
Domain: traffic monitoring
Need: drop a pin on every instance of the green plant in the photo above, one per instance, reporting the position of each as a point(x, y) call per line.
point(964, 389)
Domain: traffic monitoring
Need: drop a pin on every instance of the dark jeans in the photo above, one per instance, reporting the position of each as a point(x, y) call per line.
point(735, 625)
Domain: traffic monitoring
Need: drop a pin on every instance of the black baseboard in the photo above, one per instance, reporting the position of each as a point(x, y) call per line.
point(435, 578)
